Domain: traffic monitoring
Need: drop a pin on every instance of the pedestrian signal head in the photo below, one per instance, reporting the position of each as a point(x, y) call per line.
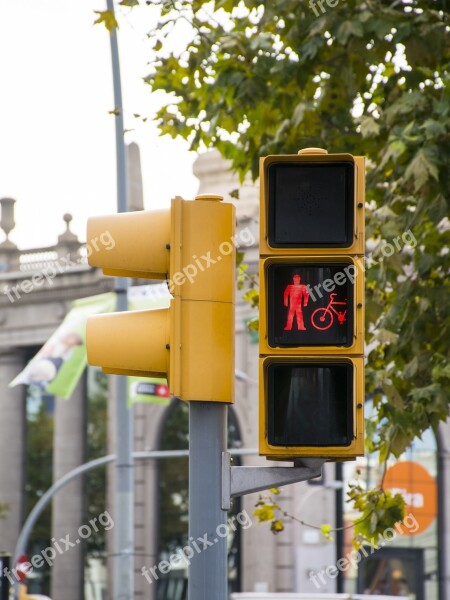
point(311, 336)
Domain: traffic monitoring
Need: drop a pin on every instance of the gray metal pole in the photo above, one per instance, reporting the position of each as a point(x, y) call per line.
point(208, 571)
point(123, 582)
point(123, 559)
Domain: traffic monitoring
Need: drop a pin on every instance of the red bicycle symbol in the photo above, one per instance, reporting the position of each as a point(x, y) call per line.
point(323, 318)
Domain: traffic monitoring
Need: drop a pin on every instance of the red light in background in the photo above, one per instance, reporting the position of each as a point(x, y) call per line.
point(21, 570)
point(162, 390)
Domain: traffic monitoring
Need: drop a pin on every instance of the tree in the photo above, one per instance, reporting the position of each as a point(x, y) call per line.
point(367, 77)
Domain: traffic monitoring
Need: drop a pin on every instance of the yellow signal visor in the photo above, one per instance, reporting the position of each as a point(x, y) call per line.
point(130, 244)
point(130, 343)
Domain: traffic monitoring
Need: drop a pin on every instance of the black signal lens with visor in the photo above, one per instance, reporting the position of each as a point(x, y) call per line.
point(310, 404)
point(311, 204)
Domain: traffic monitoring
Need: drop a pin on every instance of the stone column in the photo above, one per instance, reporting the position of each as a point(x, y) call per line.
point(69, 504)
point(284, 545)
point(148, 420)
point(135, 188)
point(111, 484)
point(313, 553)
point(12, 448)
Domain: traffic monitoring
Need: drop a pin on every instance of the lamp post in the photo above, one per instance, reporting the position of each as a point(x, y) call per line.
point(123, 582)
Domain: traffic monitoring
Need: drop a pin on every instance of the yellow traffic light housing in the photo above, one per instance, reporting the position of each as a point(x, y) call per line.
point(190, 246)
point(312, 305)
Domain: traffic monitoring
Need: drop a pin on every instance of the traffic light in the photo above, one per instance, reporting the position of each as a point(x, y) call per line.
point(311, 305)
point(191, 343)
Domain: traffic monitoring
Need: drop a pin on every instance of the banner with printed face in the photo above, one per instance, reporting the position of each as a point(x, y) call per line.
point(59, 364)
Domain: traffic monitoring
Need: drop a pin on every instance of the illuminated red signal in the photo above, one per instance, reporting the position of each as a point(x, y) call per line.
point(301, 312)
point(295, 296)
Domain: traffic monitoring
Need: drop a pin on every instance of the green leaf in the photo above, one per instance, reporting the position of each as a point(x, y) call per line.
point(373, 520)
point(433, 129)
point(298, 114)
point(408, 102)
point(400, 441)
point(277, 526)
point(253, 325)
point(394, 397)
point(252, 296)
point(420, 169)
point(424, 393)
point(108, 18)
point(438, 208)
point(349, 28)
point(311, 48)
point(326, 531)
point(385, 336)
point(394, 150)
point(369, 127)
point(411, 368)
point(265, 512)
point(441, 371)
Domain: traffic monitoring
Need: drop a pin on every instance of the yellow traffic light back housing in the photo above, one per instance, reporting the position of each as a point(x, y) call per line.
point(190, 246)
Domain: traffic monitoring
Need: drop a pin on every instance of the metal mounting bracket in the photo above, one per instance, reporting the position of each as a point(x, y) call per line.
point(238, 481)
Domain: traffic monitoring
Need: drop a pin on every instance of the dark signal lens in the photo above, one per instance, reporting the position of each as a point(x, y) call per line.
point(311, 204)
point(310, 404)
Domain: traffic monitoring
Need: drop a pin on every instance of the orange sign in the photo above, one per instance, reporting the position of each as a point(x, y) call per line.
point(419, 490)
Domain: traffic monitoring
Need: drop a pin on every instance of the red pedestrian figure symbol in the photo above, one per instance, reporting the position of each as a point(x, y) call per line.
point(295, 296)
